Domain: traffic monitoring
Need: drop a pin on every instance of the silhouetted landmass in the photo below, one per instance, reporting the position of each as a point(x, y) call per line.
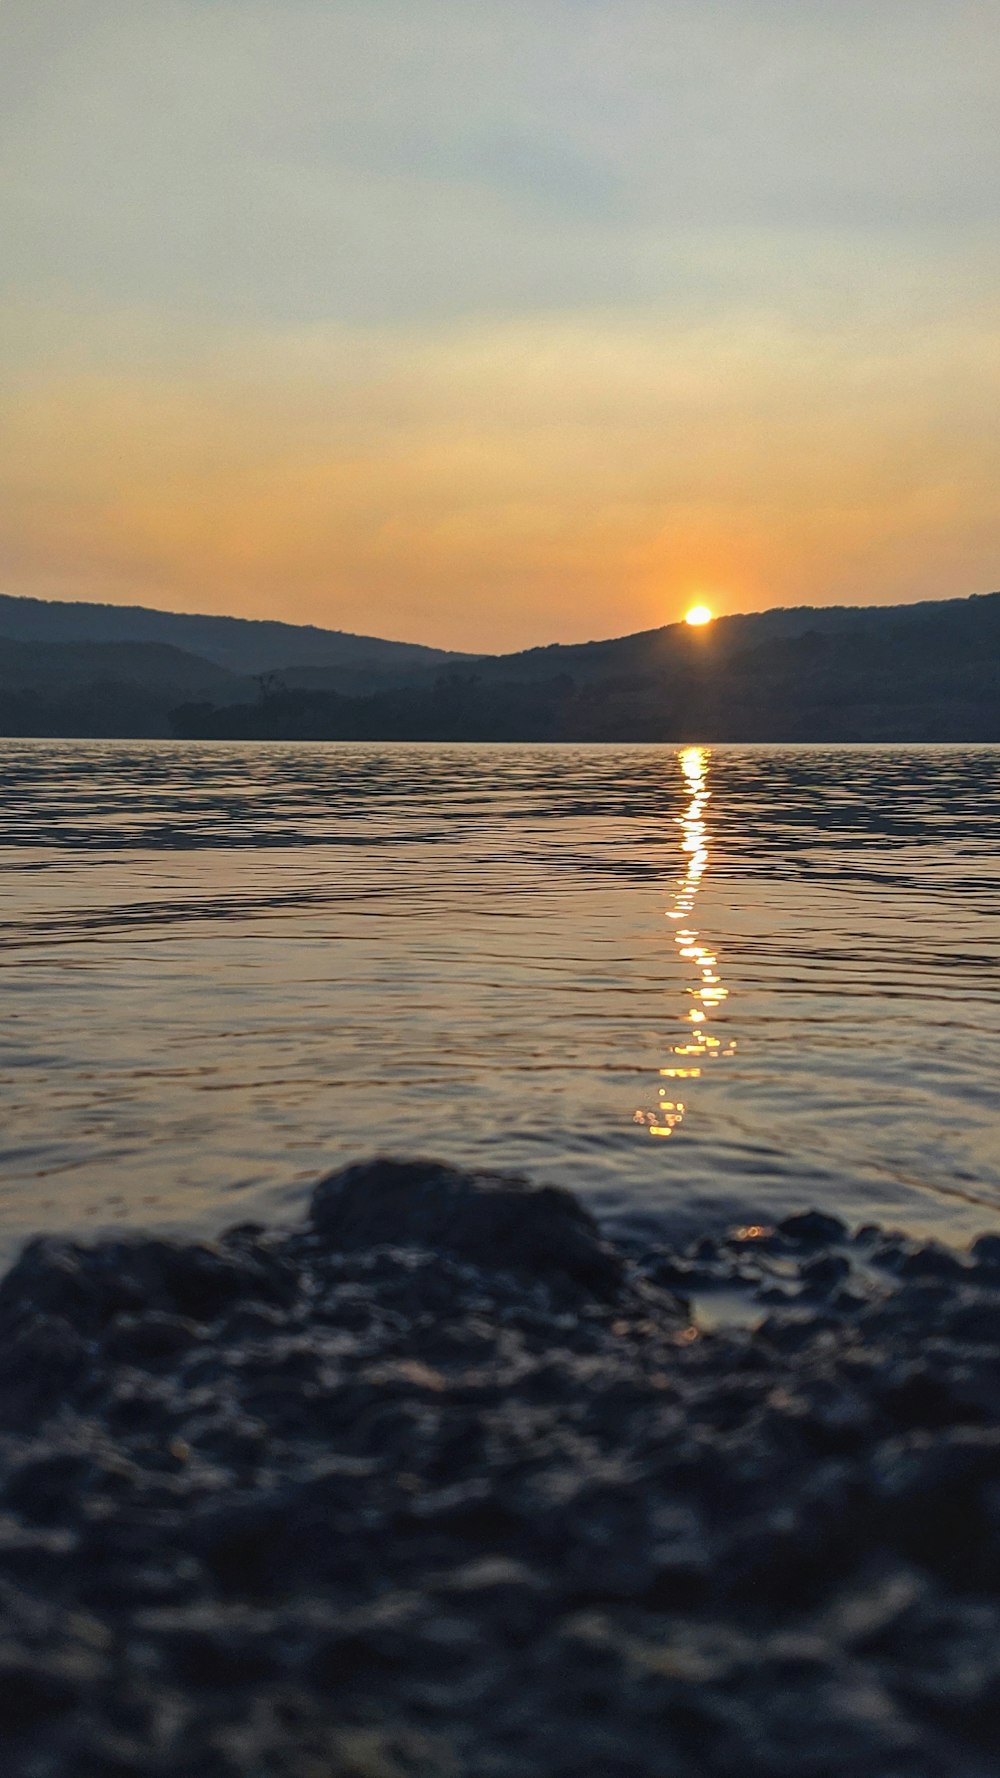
point(109, 688)
point(918, 673)
point(927, 672)
point(443, 1483)
point(105, 670)
point(240, 644)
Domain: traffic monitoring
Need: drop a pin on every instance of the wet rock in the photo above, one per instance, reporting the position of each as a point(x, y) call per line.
point(975, 1317)
point(88, 1287)
point(445, 1486)
point(918, 1394)
point(41, 1357)
point(823, 1274)
point(812, 1228)
point(149, 1339)
point(213, 1646)
point(986, 1252)
point(34, 1689)
point(890, 1254)
point(489, 1219)
point(931, 1262)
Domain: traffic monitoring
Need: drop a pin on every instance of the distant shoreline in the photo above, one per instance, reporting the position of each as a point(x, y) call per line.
point(905, 674)
point(674, 741)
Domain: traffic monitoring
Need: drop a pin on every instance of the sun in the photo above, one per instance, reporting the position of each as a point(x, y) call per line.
point(698, 614)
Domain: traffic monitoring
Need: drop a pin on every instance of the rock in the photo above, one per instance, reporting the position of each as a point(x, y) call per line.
point(443, 1485)
point(41, 1358)
point(812, 1228)
point(33, 1689)
point(493, 1220)
point(986, 1252)
point(975, 1317)
point(88, 1287)
point(149, 1339)
point(931, 1261)
point(824, 1273)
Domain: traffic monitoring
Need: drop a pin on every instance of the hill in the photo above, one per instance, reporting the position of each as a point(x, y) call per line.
point(104, 688)
point(928, 672)
point(112, 670)
point(240, 644)
point(651, 653)
point(24, 665)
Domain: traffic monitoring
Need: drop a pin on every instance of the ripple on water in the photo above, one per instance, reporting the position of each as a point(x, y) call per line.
point(691, 982)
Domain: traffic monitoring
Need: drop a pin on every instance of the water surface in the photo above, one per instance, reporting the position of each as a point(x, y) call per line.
point(700, 984)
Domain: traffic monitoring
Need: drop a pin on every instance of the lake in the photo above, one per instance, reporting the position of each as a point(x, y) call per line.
point(699, 985)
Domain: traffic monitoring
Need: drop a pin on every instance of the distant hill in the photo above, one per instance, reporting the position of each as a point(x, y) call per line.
point(240, 644)
point(928, 671)
point(649, 653)
point(104, 688)
point(85, 669)
point(31, 664)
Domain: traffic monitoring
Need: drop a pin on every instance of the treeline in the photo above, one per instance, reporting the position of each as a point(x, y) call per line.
point(102, 710)
point(453, 707)
point(920, 683)
point(909, 673)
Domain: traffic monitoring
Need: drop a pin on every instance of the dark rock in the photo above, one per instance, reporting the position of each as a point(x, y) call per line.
point(889, 1254)
point(88, 1287)
point(824, 1273)
point(812, 1228)
point(986, 1252)
point(444, 1486)
point(213, 1646)
point(975, 1317)
point(41, 1358)
point(149, 1339)
point(918, 1394)
point(931, 1262)
point(488, 1219)
point(33, 1689)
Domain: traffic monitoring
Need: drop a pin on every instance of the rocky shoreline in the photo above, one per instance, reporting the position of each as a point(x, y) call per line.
point(444, 1485)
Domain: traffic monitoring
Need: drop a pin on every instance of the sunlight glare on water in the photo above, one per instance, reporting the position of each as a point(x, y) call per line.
point(229, 967)
point(700, 1045)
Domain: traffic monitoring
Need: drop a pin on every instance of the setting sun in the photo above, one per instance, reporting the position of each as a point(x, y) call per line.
point(698, 614)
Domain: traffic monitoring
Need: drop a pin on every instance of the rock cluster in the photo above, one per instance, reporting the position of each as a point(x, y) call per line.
point(441, 1485)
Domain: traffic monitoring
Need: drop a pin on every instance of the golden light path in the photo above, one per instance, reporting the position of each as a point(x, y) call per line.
point(700, 1044)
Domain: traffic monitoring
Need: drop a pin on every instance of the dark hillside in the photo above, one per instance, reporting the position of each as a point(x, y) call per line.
point(242, 645)
point(27, 664)
point(656, 651)
point(103, 689)
point(912, 672)
point(917, 673)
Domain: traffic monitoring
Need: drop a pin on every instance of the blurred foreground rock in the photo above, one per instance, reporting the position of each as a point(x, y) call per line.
point(441, 1484)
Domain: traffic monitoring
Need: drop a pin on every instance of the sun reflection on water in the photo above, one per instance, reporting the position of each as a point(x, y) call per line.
point(700, 1045)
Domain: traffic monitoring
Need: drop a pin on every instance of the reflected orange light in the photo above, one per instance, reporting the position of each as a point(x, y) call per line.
point(708, 990)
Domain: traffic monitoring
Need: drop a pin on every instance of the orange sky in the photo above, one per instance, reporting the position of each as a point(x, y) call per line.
point(336, 350)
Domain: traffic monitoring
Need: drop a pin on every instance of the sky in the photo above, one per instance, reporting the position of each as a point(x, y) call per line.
point(488, 323)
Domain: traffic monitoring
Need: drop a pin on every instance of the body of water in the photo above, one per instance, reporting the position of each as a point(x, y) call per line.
point(699, 985)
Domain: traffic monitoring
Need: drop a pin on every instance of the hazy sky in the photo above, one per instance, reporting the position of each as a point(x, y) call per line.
point(489, 322)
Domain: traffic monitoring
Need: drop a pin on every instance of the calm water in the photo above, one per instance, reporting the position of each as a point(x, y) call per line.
point(698, 984)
